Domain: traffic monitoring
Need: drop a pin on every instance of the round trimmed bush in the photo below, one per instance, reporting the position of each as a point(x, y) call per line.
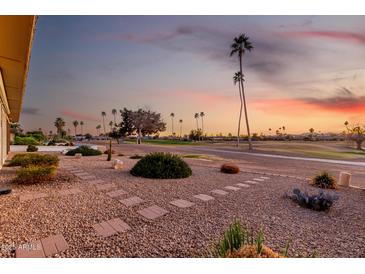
point(32, 148)
point(161, 165)
point(27, 159)
point(84, 150)
point(230, 168)
point(34, 174)
point(324, 180)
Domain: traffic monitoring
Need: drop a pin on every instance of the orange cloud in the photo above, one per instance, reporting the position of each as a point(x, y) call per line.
point(339, 35)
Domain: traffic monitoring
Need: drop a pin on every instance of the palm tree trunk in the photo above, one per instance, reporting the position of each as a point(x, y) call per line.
point(245, 107)
point(172, 126)
point(115, 121)
point(239, 120)
point(197, 124)
point(180, 130)
point(82, 131)
point(202, 128)
point(139, 136)
point(75, 131)
point(104, 125)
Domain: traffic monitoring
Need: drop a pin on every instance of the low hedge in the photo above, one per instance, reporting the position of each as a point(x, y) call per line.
point(28, 140)
point(84, 150)
point(34, 174)
point(161, 166)
point(36, 159)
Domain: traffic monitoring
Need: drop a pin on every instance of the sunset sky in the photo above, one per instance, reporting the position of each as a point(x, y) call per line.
point(305, 71)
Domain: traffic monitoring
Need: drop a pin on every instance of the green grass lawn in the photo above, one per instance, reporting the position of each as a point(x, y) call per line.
point(166, 142)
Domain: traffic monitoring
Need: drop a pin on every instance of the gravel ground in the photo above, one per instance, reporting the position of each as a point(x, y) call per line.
point(189, 232)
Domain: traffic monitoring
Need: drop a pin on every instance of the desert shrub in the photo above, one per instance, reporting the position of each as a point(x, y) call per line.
point(32, 148)
point(27, 159)
point(51, 143)
point(27, 140)
point(34, 174)
point(120, 154)
point(136, 156)
point(320, 202)
point(84, 150)
point(161, 166)
point(238, 242)
point(230, 168)
point(324, 180)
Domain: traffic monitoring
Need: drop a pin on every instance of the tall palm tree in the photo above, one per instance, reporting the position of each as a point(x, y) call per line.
point(75, 123)
point(114, 112)
point(237, 78)
point(240, 45)
point(181, 121)
point(103, 114)
point(111, 126)
point(98, 127)
point(196, 116)
point(172, 115)
point(202, 114)
point(82, 129)
point(59, 124)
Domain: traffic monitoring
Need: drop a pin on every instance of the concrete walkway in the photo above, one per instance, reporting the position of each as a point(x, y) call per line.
point(329, 161)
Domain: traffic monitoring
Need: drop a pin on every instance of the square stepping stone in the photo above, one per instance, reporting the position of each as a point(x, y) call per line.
point(88, 177)
point(69, 191)
point(132, 201)
point(219, 192)
point(251, 182)
point(152, 212)
point(204, 197)
point(118, 225)
point(30, 250)
point(259, 179)
point(111, 227)
point(242, 185)
point(116, 193)
point(182, 203)
point(97, 181)
point(32, 196)
point(81, 174)
point(265, 178)
point(54, 244)
point(104, 229)
point(106, 186)
point(232, 188)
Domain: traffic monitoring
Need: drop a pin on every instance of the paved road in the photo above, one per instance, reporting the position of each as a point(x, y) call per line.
point(252, 161)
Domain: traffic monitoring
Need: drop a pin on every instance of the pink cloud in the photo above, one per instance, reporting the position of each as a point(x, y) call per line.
point(79, 116)
point(309, 106)
point(338, 35)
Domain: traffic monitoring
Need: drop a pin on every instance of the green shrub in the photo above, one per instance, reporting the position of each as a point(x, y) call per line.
point(233, 239)
point(25, 140)
point(84, 150)
point(136, 156)
point(32, 148)
point(27, 159)
point(161, 166)
point(230, 168)
point(324, 180)
point(320, 202)
point(34, 174)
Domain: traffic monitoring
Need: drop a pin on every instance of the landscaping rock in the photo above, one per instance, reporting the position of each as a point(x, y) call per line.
point(345, 179)
point(4, 191)
point(78, 155)
point(117, 164)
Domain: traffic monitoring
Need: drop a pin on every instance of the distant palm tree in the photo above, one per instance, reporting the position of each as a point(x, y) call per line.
point(237, 78)
point(172, 115)
point(111, 126)
point(240, 45)
point(98, 127)
point(196, 116)
point(82, 129)
point(202, 114)
point(103, 114)
point(59, 124)
point(181, 121)
point(114, 112)
point(75, 123)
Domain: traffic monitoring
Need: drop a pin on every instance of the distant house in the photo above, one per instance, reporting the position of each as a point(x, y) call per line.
point(16, 36)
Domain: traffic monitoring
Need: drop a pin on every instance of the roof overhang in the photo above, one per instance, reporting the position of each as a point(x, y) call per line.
point(16, 36)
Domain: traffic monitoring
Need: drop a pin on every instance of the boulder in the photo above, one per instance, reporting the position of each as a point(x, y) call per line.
point(117, 164)
point(345, 179)
point(78, 155)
